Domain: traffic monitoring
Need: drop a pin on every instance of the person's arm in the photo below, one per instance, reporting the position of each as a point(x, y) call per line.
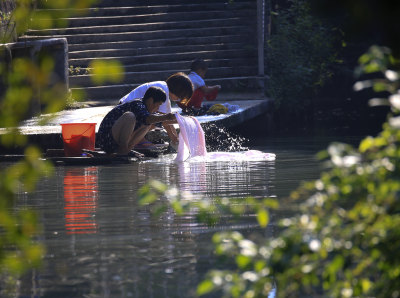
point(155, 118)
point(167, 120)
point(170, 129)
point(172, 134)
point(208, 89)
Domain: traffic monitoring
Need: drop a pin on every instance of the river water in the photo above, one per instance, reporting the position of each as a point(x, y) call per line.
point(100, 243)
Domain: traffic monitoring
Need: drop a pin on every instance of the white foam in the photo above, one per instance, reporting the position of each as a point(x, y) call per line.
point(250, 155)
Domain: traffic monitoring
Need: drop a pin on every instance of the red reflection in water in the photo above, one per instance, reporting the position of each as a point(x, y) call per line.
point(80, 195)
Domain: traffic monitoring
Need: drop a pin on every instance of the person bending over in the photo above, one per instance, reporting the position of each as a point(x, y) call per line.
point(177, 87)
point(126, 124)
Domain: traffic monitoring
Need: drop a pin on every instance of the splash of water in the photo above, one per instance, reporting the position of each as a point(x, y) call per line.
point(221, 139)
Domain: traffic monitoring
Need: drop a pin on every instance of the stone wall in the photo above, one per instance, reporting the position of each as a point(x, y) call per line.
point(57, 48)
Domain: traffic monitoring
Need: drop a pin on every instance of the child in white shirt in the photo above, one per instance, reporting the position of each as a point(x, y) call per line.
point(177, 87)
point(197, 73)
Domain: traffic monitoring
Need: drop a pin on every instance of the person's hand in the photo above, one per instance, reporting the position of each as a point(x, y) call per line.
point(171, 116)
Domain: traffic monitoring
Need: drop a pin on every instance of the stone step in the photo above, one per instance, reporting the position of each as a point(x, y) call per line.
point(122, 3)
point(138, 51)
point(181, 65)
point(135, 9)
point(84, 62)
point(178, 41)
point(151, 35)
point(184, 65)
point(117, 91)
point(156, 17)
point(155, 38)
point(146, 76)
point(145, 27)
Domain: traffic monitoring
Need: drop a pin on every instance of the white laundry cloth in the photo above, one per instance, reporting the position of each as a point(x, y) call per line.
point(192, 144)
point(191, 138)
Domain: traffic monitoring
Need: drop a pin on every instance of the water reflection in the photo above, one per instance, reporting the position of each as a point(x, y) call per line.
point(233, 178)
point(80, 196)
point(211, 179)
point(193, 177)
point(121, 250)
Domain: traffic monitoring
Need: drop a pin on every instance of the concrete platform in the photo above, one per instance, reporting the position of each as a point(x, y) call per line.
point(48, 136)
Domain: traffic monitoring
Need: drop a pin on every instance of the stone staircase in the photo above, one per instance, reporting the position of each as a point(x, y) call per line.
point(154, 39)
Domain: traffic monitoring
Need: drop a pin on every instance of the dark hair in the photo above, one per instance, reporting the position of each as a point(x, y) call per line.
point(156, 93)
point(180, 85)
point(198, 64)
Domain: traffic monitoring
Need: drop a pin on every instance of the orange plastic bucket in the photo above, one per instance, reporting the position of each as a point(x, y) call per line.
point(78, 136)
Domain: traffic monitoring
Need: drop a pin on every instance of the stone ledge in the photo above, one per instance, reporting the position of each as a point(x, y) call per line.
point(49, 136)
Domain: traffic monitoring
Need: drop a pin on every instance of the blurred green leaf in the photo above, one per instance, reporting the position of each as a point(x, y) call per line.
point(106, 71)
point(380, 86)
point(243, 261)
point(158, 210)
point(366, 144)
point(158, 186)
point(26, 80)
point(262, 217)
point(205, 287)
point(178, 208)
point(145, 196)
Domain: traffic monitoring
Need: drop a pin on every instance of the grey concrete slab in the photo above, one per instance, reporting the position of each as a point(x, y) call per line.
point(49, 135)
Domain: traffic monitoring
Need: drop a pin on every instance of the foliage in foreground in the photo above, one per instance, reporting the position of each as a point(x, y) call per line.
point(344, 241)
point(23, 80)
